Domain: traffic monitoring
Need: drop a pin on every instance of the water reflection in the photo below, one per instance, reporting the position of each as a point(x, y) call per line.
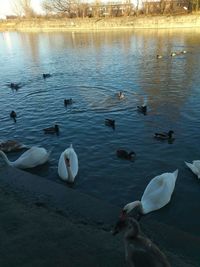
point(7, 39)
point(91, 68)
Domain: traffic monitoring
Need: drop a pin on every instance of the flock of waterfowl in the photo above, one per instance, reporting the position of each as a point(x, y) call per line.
point(156, 195)
point(173, 54)
point(35, 156)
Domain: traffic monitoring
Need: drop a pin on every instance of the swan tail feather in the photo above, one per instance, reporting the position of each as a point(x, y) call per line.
point(175, 173)
point(192, 168)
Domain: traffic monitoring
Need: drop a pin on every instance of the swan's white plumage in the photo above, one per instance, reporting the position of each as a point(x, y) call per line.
point(194, 167)
point(73, 159)
point(157, 193)
point(31, 158)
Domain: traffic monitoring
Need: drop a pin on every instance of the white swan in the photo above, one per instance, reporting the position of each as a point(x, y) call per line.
point(194, 167)
point(31, 158)
point(156, 195)
point(68, 165)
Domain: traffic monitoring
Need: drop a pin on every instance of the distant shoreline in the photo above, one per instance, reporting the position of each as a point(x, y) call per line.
point(89, 24)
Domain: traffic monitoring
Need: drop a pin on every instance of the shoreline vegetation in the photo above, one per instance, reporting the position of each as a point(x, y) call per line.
point(102, 23)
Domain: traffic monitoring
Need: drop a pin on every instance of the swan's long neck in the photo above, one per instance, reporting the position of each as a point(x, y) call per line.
point(5, 158)
point(130, 206)
point(70, 175)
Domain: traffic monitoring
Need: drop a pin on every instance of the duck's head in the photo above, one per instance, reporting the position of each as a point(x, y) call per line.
point(132, 154)
point(56, 128)
point(13, 114)
point(170, 133)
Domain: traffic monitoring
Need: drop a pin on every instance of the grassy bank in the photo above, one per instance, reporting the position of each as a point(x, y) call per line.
point(148, 22)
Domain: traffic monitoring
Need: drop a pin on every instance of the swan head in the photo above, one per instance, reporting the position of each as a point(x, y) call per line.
point(67, 162)
point(132, 205)
point(68, 166)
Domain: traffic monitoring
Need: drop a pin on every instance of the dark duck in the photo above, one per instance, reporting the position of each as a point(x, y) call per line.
point(52, 130)
point(142, 109)
point(13, 115)
point(68, 101)
point(164, 136)
point(46, 75)
point(15, 86)
point(123, 154)
point(110, 122)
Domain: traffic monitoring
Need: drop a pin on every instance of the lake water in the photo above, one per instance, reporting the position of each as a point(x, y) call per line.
point(91, 68)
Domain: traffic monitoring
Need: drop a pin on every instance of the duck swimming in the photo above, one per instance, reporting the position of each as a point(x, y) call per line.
point(68, 101)
point(110, 122)
point(121, 153)
point(52, 130)
point(173, 54)
point(46, 75)
point(11, 146)
point(140, 251)
point(121, 95)
point(159, 56)
point(164, 136)
point(15, 86)
point(13, 115)
point(142, 109)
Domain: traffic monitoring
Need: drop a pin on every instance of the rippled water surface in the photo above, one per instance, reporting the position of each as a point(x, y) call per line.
point(91, 68)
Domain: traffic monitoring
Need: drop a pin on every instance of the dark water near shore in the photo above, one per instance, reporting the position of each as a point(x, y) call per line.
point(91, 68)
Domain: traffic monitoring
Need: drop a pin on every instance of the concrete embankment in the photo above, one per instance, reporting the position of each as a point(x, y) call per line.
point(43, 223)
point(141, 22)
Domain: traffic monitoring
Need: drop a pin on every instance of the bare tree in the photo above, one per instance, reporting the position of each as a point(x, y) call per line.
point(23, 8)
point(69, 7)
